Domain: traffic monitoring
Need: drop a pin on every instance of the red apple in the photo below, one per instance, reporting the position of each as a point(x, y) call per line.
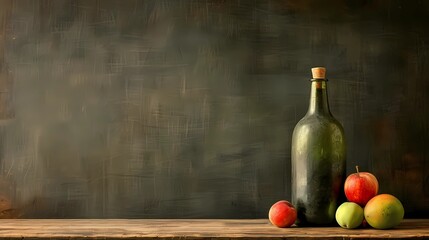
point(282, 214)
point(360, 187)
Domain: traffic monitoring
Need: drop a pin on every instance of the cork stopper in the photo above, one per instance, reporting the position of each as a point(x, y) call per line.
point(318, 72)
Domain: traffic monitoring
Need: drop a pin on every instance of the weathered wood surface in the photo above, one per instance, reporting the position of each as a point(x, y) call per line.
point(193, 229)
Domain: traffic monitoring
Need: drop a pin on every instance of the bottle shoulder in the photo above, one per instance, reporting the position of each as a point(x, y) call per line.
point(314, 121)
point(323, 133)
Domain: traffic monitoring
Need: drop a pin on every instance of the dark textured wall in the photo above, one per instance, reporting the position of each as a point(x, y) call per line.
point(185, 109)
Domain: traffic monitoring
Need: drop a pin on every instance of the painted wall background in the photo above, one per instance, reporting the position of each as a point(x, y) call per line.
point(185, 109)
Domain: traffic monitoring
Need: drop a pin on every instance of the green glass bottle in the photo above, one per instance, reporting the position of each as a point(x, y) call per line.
point(318, 159)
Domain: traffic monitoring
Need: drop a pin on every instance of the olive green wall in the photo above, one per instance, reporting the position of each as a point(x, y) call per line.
point(185, 109)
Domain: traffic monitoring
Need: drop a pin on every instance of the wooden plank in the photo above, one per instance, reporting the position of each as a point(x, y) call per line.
point(193, 229)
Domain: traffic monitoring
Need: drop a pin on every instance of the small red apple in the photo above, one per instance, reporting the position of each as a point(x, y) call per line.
point(360, 187)
point(282, 214)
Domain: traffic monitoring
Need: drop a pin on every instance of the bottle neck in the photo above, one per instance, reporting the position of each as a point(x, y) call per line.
point(319, 98)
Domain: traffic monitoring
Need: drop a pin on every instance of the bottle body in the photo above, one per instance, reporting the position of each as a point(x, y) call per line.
point(318, 161)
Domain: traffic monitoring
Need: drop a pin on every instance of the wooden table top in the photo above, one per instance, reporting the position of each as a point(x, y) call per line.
point(193, 229)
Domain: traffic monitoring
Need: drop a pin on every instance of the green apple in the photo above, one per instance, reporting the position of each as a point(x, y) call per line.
point(349, 215)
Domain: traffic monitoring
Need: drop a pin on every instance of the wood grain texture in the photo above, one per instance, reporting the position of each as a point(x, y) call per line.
point(194, 229)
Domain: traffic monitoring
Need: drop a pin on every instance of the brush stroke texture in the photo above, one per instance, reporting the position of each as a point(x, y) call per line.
point(185, 109)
